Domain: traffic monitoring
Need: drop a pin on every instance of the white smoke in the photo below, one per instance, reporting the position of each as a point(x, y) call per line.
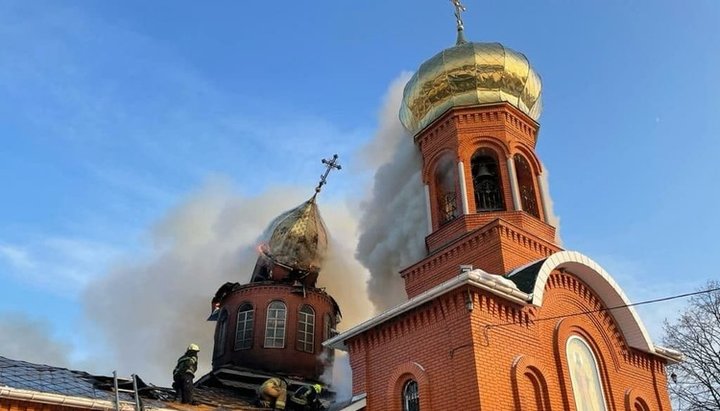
point(150, 310)
point(340, 376)
point(552, 218)
point(27, 339)
point(393, 219)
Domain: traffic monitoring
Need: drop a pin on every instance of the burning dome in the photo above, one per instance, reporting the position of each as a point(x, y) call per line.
point(297, 238)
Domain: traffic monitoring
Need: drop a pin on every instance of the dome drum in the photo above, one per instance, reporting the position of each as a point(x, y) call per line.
point(248, 335)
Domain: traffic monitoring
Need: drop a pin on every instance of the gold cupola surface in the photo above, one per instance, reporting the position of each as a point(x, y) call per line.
point(470, 74)
point(297, 238)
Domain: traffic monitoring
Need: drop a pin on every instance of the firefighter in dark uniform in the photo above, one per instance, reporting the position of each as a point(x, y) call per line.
point(184, 373)
point(306, 398)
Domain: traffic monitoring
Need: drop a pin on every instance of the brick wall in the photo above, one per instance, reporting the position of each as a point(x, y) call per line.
point(496, 241)
point(497, 248)
point(502, 356)
point(289, 359)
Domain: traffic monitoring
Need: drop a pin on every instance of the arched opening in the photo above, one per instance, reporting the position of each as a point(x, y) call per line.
point(275, 325)
point(306, 329)
point(584, 375)
point(526, 186)
point(540, 399)
point(641, 405)
point(446, 197)
point(244, 328)
point(411, 396)
point(486, 181)
point(221, 334)
point(329, 325)
point(530, 389)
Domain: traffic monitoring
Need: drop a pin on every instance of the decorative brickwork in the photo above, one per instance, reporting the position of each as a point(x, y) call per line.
point(496, 241)
point(288, 359)
point(503, 355)
point(497, 247)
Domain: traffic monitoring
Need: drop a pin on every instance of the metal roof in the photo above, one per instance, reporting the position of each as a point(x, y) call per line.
point(48, 379)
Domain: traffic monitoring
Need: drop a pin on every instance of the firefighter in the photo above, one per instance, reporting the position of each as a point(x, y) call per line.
point(273, 393)
point(184, 373)
point(306, 398)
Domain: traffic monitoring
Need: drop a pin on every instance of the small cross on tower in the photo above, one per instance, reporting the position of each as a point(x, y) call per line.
point(330, 164)
point(459, 9)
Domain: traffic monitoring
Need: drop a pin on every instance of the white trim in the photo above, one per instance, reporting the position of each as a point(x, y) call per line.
point(604, 286)
point(428, 210)
point(669, 354)
point(476, 278)
point(64, 400)
point(580, 265)
point(545, 198)
point(358, 402)
point(514, 189)
point(463, 188)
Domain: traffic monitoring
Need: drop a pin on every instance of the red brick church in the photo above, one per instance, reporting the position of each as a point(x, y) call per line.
point(499, 316)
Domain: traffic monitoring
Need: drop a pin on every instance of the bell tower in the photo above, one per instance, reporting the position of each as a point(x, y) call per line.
point(473, 110)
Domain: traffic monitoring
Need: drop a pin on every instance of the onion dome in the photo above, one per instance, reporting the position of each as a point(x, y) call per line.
point(297, 238)
point(469, 74)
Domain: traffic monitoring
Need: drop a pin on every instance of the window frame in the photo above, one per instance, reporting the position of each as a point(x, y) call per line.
point(411, 400)
point(529, 202)
point(248, 325)
point(446, 188)
point(278, 327)
point(305, 340)
point(221, 333)
point(497, 179)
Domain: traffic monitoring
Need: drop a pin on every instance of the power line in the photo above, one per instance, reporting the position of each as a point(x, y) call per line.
point(656, 300)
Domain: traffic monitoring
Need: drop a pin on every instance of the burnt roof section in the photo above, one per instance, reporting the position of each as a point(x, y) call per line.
point(212, 391)
point(525, 277)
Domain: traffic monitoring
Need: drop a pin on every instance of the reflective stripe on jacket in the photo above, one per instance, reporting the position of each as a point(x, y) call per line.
point(187, 364)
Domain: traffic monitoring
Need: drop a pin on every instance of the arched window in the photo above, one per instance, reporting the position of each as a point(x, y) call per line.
point(446, 188)
point(526, 186)
point(328, 330)
point(486, 181)
point(411, 396)
point(640, 405)
point(275, 325)
point(221, 333)
point(244, 329)
point(328, 327)
point(306, 329)
point(585, 376)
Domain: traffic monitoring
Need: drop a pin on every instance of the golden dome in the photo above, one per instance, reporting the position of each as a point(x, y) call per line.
point(297, 238)
point(469, 74)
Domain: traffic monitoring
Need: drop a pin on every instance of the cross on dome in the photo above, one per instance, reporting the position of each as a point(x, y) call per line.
point(459, 9)
point(330, 164)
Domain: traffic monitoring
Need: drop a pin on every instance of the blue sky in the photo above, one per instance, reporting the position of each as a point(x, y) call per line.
point(114, 113)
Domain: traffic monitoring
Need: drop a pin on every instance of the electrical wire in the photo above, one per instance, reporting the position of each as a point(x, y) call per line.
point(653, 301)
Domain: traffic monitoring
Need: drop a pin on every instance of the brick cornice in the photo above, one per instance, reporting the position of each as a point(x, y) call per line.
point(492, 117)
point(497, 227)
